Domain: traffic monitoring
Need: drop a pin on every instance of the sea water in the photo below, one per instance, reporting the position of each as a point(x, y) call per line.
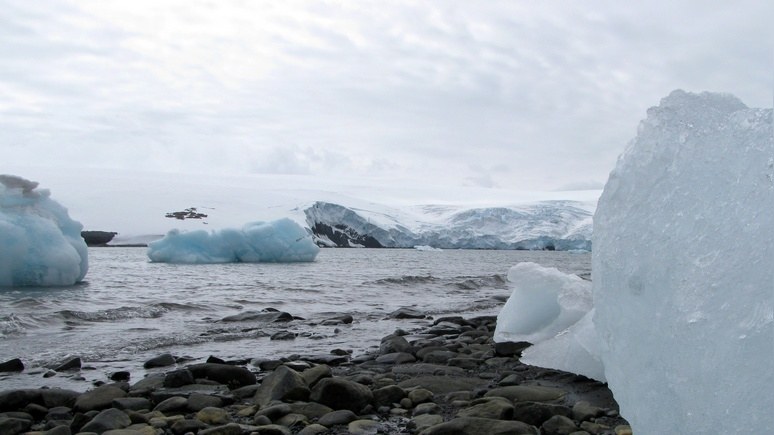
point(130, 309)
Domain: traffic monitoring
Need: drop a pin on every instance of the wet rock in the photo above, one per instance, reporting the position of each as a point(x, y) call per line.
point(438, 356)
point(495, 407)
point(313, 375)
point(178, 378)
point(311, 410)
point(524, 393)
point(282, 384)
point(275, 412)
point(107, 420)
point(132, 403)
point(173, 405)
point(583, 411)
point(259, 316)
point(536, 413)
point(162, 360)
point(427, 369)
point(441, 385)
point(233, 376)
point(14, 426)
point(313, 429)
point(13, 365)
point(424, 421)
point(427, 408)
point(558, 425)
point(229, 429)
point(71, 364)
point(343, 319)
point(98, 398)
point(395, 358)
point(198, 401)
point(394, 343)
point(187, 425)
point(363, 427)
point(283, 335)
point(510, 348)
point(407, 313)
point(342, 416)
point(213, 416)
point(478, 426)
point(388, 395)
point(420, 395)
point(293, 420)
point(339, 393)
point(121, 376)
point(147, 384)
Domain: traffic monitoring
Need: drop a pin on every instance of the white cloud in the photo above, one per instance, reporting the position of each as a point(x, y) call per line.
point(438, 91)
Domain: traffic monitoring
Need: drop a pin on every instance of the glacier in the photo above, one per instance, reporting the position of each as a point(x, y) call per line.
point(683, 269)
point(542, 225)
point(40, 245)
point(279, 241)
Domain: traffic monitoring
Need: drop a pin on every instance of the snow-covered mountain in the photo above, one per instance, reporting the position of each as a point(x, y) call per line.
point(561, 225)
point(142, 206)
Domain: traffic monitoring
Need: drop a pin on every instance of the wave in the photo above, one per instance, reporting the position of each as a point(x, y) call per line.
point(14, 324)
point(477, 282)
point(153, 311)
point(406, 280)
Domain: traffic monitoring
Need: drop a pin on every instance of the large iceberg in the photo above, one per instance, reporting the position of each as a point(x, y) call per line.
point(683, 269)
point(40, 245)
point(280, 241)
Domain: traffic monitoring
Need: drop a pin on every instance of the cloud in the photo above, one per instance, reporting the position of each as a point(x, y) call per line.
point(426, 90)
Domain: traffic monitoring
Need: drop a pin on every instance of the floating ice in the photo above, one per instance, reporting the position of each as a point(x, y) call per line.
point(280, 241)
point(39, 244)
point(683, 269)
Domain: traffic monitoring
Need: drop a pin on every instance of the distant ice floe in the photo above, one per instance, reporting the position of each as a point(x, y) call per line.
point(280, 241)
point(427, 248)
point(40, 245)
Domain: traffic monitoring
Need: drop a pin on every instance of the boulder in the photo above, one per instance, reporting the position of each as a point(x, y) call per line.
point(98, 398)
point(232, 376)
point(340, 393)
point(478, 426)
point(524, 393)
point(106, 420)
point(282, 384)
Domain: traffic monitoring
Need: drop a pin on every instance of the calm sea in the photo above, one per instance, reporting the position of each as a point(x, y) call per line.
point(130, 309)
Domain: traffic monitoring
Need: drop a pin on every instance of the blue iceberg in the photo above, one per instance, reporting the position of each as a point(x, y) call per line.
point(280, 241)
point(39, 244)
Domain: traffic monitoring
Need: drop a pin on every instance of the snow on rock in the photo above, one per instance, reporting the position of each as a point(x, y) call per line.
point(40, 245)
point(280, 241)
point(552, 225)
point(683, 269)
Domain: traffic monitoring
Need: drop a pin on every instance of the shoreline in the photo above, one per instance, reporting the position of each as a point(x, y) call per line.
point(448, 377)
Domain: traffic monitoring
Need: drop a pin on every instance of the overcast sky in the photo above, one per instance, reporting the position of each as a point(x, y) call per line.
point(514, 94)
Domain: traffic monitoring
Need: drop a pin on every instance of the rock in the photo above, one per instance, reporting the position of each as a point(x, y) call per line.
point(198, 401)
point(229, 429)
point(261, 420)
point(623, 430)
point(311, 410)
point(558, 425)
point(213, 416)
point(438, 356)
point(71, 364)
point(147, 384)
point(524, 393)
point(107, 420)
point(510, 380)
point(420, 395)
point(293, 420)
point(341, 394)
point(396, 358)
point(178, 378)
point(275, 412)
point(173, 405)
point(343, 319)
point(53, 397)
point(536, 413)
point(98, 398)
point(233, 376)
point(259, 316)
point(394, 343)
point(496, 408)
point(162, 360)
point(283, 335)
point(187, 426)
point(478, 426)
point(270, 429)
point(14, 426)
point(59, 430)
point(583, 411)
point(424, 421)
point(465, 363)
point(313, 429)
point(313, 375)
point(282, 384)
point(427, 369)
point(510, 348)
point(407, 313)
point(13, 365)
point(333, 418)
point(363, 427)
point(388, 395)
point(120, 376)
point(427, 408)
point(441, 385)
point(132, 403)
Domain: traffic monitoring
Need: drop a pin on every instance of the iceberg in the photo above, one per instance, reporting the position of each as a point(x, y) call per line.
point(552, 310)
point(280, 241)
point(40, 245)
point(683, 269)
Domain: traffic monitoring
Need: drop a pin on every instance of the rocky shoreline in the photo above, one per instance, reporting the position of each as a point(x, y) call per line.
point(448, 378)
